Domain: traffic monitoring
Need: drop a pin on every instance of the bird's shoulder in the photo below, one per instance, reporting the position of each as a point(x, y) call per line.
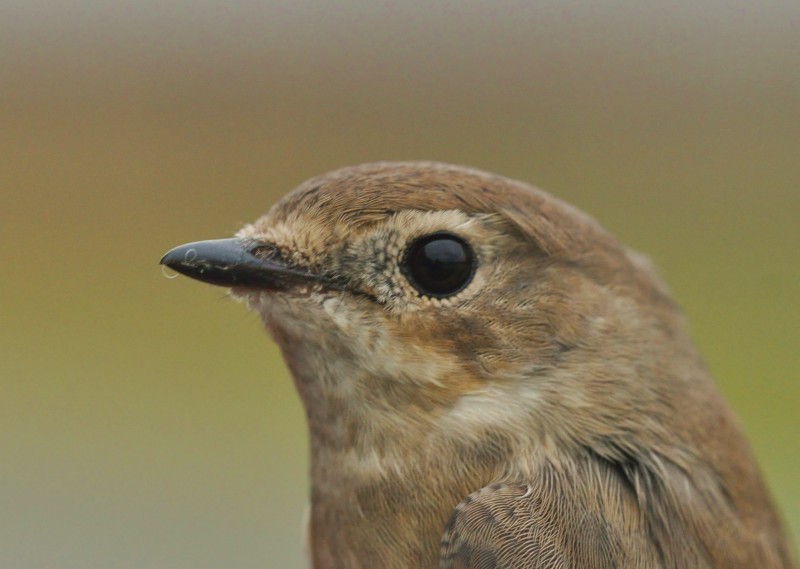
point(499, 526)
point(541, 524)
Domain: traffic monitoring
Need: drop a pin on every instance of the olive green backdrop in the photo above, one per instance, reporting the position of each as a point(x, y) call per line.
point(148, 422)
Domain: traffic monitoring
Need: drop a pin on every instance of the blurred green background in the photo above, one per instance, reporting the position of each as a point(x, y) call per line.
point(147, 422)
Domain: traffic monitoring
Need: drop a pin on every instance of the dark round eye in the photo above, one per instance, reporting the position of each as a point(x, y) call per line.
point(439, 264)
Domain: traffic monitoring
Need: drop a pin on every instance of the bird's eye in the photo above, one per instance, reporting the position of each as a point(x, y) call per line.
point(439, 265)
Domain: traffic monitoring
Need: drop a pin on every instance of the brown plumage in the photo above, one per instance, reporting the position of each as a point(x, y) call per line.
point(547, 410)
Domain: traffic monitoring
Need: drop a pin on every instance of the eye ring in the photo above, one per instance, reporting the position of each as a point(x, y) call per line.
point(439, 265)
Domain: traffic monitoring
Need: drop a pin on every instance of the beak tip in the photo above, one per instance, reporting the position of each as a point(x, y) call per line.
point(172, 257)
point(219, 262)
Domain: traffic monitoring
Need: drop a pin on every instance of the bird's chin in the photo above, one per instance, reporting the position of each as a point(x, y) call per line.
point(249, 294)
point(298, 306)
point(242, 293)
point(259, 301)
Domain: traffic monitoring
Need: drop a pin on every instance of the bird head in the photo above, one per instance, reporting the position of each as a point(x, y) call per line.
point(439, 300)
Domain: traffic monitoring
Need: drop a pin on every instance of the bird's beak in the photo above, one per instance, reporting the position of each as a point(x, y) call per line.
point(234, 263)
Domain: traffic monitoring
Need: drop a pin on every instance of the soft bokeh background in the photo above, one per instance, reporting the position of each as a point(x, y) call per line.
point(148, 423)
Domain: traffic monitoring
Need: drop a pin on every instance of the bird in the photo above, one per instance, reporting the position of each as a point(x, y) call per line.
point(490, 380)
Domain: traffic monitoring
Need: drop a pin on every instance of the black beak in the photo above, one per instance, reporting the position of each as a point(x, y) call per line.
point(234, 263)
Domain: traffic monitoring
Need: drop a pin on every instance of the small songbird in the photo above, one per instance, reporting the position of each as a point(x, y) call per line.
point(490, 381)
